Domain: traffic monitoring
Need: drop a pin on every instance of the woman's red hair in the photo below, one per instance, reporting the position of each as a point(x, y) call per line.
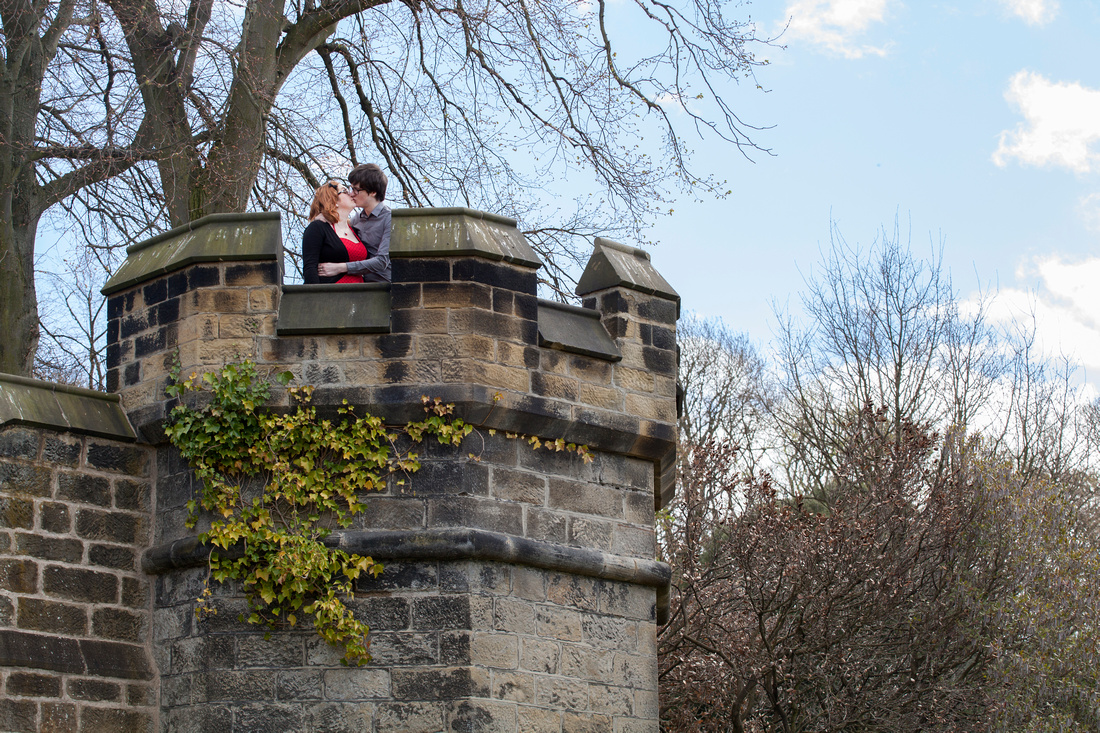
point(324, 202)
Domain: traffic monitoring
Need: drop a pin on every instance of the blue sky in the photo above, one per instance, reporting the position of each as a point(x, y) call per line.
point(976, 123)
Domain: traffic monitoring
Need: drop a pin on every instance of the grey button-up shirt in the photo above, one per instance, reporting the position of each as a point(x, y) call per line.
point(374, 229)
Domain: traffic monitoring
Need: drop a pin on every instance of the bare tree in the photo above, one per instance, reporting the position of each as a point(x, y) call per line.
point(213, 106)
point(786, 619)
point(923, 599)
point(67, 120)
point(884, 328)
point(726, 392)
point(73, 321)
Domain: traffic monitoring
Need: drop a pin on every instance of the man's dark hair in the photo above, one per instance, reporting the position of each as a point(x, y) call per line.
point(370, 178)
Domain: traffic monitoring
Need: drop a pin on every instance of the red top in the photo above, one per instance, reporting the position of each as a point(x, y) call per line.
point(357, 252)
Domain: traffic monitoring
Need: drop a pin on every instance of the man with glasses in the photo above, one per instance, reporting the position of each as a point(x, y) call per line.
point(371, 222)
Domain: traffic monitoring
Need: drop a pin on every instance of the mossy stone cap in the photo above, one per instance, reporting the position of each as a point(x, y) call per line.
point(443, 232)
point(346, 308)
point(618, 265)
point(25, 401)
point(214, 238)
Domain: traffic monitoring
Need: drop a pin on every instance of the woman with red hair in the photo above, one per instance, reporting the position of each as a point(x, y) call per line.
point(329, 239)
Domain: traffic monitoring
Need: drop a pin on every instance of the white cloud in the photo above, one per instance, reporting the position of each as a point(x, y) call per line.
point(1061, 124)
point(1034, 12)
point(1065, 306)
point(1089, 209)
point(836, 24)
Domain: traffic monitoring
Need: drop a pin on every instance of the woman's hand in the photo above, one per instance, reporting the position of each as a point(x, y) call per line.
point(328, 269)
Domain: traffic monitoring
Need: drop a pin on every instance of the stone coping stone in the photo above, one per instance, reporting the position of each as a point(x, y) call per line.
point(446, 544)
point(618, 265)
point(576, 330)
point(454, 544)
point(321, 309)
point(61, 407)
point(213, 238)
point(454, 231)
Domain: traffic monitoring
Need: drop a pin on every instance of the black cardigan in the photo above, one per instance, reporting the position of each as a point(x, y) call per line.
point(320, 244)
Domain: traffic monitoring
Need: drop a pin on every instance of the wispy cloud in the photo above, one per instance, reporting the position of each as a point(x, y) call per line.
point(837, 24)
point(1061, 124)
point(1065, 305)
point(1034, 12)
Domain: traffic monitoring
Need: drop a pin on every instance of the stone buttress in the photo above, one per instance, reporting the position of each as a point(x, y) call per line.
point(521, 590)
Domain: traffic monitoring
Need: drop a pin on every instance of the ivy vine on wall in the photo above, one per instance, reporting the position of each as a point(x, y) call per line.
point(275, 484)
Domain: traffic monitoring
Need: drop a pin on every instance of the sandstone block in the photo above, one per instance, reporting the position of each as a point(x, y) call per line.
point(581, 661)
point(410, 717)
point(540, 655)
point(635, 542)
point(356, 684)
point(661, 409)
point(586, 498)
point(610, 632)
point(495, 650)
point(545, 525)
point(514, 686)
point(574, 591)
point(602, 397)
point(585, 723)
point(253, 650)
point(629, 601)
point(538, 720)
point(481, 715)
point(246, 325)
point(93, 690)
point(589, 532)
point(404, 649)
point(63, 450)
point(440, 683)
point(523, 486)
point(38, 614)
point(215, 301)
point(561, 692)
point(516, 616)
point(558, 623)
point(16, 513)
point(26, 684)
point(49, 548)
point(51, 517)
point(263, 299)
point(20, 478)
point(20, 443)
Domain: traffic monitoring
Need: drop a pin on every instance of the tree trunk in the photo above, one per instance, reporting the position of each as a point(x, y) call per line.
point(18, 301)
point(269, 50)
point(22, 68)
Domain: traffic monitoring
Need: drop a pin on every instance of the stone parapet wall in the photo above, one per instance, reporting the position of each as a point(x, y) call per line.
point(463, 328)
point(457, 646)
point(75, 614)
point(522, 589)
point(205, 316)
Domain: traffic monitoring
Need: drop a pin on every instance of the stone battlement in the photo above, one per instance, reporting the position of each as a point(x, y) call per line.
point(521, 590)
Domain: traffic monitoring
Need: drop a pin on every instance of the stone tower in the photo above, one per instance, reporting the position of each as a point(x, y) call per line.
point(520, 590)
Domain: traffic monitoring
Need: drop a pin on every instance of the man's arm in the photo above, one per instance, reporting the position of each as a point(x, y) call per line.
point(371, 230)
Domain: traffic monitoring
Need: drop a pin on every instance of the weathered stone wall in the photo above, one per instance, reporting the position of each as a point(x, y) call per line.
point(458, 645)
point(521, 590)
point(75, 612)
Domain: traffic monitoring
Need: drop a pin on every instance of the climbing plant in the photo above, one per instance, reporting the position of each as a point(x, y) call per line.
point(275, 484)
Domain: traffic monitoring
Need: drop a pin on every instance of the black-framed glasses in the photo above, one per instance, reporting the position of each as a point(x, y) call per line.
point(338, 189)
point(355, 190)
